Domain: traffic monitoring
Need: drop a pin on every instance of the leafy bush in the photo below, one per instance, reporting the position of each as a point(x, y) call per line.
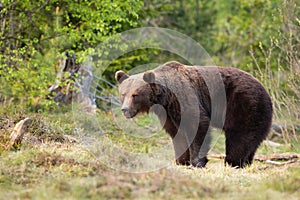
point(35, 33)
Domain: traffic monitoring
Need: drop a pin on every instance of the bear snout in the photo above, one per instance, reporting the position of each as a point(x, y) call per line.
point(124, 110)
point(127, 112)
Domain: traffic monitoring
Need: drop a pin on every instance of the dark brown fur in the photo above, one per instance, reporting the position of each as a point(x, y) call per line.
point(192, 99)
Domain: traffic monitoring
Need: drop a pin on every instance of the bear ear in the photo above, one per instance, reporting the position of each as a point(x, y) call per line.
point(149, 77)
point(120, 76)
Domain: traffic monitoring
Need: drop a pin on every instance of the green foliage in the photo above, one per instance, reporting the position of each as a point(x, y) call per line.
point(24, 79)
point(34, 33)
point(226, 29)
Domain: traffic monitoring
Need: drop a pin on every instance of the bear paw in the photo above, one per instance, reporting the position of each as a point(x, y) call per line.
point(201, 162)
point(183, 162)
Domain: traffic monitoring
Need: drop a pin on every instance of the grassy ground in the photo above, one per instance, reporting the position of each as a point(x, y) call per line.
point(54, 163)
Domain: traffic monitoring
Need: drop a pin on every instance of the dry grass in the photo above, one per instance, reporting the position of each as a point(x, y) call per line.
point(53, 171)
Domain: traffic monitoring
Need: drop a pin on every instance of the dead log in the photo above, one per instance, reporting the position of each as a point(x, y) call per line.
point(280, 163)
point(275, 159)
point(74, 82)
point(17, 134)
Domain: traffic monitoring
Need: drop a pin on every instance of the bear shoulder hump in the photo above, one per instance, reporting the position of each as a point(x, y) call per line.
point(174, 65)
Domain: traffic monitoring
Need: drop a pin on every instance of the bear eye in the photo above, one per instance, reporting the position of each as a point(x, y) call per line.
point(135, 95)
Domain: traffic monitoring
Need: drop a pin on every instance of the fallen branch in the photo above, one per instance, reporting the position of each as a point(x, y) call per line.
point(280, 163)
point(275, 159)
point(217, 156)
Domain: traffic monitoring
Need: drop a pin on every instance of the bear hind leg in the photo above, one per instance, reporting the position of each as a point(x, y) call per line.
point(240, 151)
point(250, 158)
point(236, 152)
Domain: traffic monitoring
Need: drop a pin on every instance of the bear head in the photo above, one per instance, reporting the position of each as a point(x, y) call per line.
point(136, 92)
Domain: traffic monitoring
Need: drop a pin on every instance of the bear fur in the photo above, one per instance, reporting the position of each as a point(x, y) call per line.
point(196, 98)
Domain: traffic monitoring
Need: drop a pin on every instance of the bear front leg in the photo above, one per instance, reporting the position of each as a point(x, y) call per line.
point(182, 154)
point(181, 148)
point(200, 146)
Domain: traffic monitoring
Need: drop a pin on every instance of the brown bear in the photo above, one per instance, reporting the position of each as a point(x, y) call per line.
point(189, 100)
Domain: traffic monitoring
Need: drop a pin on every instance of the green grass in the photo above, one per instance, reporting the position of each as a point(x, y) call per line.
point(50, 166)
